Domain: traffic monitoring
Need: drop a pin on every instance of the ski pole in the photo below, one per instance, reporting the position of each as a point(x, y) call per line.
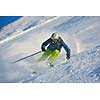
point(27, 57)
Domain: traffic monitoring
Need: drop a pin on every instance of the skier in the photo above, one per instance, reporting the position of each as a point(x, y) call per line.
point(53, 45)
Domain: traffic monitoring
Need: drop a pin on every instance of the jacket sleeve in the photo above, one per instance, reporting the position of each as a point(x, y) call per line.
point(67, 49)
point(44, 44)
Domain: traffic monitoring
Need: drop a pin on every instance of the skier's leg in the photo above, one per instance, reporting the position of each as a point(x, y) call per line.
point(53, 56)
point(45, 55)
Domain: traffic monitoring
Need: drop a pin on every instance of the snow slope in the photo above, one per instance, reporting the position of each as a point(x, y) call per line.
point(22, 24)
point(84, 67)
point(80, 33)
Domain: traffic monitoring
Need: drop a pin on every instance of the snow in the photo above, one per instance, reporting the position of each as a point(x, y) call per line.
point(25, 36)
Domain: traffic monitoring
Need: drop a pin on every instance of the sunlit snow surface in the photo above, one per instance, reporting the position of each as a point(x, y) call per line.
point(84, 67)
point(24, 37)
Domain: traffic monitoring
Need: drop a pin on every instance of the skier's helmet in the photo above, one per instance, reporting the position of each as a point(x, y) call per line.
point(55, 36)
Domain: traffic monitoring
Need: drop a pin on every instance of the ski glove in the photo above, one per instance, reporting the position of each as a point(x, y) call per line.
point(43, 48)
point(68, 57)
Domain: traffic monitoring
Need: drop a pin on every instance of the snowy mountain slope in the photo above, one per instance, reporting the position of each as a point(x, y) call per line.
point(26, 30)
point(83, 34)
point(83, 67)
point(22, 24)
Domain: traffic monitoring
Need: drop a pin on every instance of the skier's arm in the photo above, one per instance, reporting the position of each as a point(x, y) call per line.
point(45, 44)
point(66, 48)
